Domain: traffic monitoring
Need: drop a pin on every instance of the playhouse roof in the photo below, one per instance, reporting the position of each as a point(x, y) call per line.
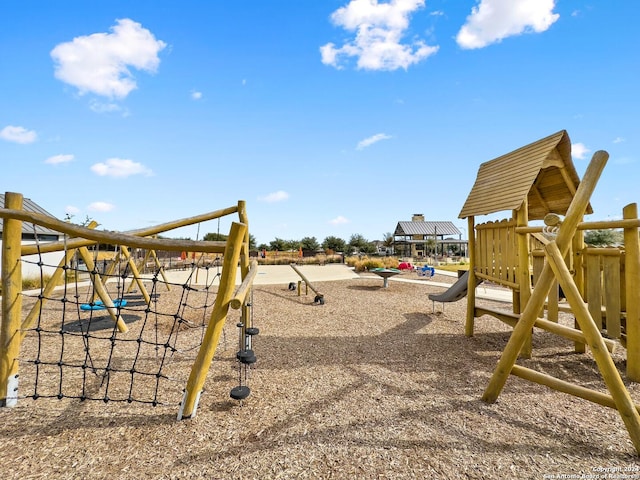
point(541, 172)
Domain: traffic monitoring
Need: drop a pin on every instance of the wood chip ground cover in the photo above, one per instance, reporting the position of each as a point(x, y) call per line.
point(372, 384)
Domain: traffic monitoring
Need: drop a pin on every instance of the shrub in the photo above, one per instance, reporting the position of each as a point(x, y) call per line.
point(361, 264)
point(366, 263)
point(33, 283)
point(390, 262)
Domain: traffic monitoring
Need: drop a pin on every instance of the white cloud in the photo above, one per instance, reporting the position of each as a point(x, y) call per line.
point(339, 220)
point(493, 20)
point(58, 159)
point(367, 142)
point(378, 29)
point(196, 95)
point(120, 168)
point(579, 151)
point(100, 63)
point(618, 140)
point(102, 107)
point(18, 134)
point(278, 196)
point(100, 207)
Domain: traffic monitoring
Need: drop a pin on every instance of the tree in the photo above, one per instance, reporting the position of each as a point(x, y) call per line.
point(335, 244)
point(431, 245)
point(309, 243)
point(215, 237)
point(603, 238)
point(219, 237)
point(387, 239)
point(278, 244)
point(358, 243)
point(370, 248)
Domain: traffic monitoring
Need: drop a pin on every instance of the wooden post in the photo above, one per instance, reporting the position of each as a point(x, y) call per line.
point(212, 334)
point(11, 303)
point(471, 280)
point(244, 254)
point(536, 301)
point(245, 287)
point(524, 273)
point(316, 291)
point(607, 367)
point(136, 274)
point(577, 246)
point(46, 292)
point(632, 280)
point(160, 269)
point(140, 266)
point(101, 290)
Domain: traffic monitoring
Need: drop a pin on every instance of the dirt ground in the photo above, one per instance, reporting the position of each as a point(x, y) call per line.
point(371, 385)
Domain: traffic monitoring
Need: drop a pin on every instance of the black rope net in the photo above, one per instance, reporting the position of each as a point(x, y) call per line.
point(73, 349)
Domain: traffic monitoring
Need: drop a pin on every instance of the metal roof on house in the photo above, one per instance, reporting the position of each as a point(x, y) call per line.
point(29, 205)
point(541, 172)
point(426, 228)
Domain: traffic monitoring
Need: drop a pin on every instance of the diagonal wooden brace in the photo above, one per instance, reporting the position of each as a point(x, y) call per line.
point(611, 376)
point(528, 317)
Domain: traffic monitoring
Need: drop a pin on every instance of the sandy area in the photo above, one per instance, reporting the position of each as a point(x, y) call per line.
point(372, 384)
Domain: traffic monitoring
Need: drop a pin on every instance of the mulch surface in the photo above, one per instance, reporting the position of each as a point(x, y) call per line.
point(372, 384)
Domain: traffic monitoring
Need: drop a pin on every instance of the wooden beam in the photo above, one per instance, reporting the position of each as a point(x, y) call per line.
point(471, 280)
point(11, 303)
point(566, 387)
point(212, 334)
point(623, 402)
point(536, 302)
point(245, 287)
point(553, 327)
point(632, 280)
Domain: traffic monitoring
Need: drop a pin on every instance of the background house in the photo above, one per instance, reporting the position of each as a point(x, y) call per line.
point(420, 238)
point(32, 234)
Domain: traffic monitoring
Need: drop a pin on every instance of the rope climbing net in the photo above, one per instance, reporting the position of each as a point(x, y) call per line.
point(75, 350)
point(101, 330)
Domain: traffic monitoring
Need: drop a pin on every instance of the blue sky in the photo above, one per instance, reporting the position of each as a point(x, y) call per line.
point(327, 117)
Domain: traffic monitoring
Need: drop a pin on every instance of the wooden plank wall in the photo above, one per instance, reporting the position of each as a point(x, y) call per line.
point(604, 287)
point(497, 261)
point(497, 252)
point(537, 262)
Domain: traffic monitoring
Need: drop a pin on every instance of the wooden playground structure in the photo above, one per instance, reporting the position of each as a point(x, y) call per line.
point(235, 252)
point(539, 182)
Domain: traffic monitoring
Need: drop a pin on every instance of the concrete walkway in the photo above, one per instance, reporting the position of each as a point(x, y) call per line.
point(284, 274)
point(498, 295)
point(269, 274)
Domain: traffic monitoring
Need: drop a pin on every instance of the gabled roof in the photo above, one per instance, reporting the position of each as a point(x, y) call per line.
point(541, 172)
point(29, 205)
point(426, 228)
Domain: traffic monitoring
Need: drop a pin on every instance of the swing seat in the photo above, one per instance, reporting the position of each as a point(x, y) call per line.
point(99, 305)
point(426, 271)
